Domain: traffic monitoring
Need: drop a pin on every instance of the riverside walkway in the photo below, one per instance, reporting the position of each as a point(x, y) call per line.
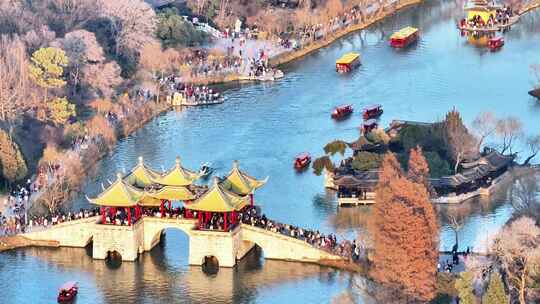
point(226, 247)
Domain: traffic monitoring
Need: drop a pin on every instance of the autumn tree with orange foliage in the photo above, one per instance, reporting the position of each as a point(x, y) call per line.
point(418, 170)
point(405, 236)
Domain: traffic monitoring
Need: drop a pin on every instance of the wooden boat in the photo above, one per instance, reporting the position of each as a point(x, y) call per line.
point(206, 170)
point(495, 43)
point(342, 111)
point(67, 292)
point(369, 125)
point(302, 161)
point(535, 93)
point(372, 111)
point(404, 37)
point(347, 62)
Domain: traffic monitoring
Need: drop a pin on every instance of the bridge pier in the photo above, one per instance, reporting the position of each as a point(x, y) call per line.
point(126, 240)
point(224, 246)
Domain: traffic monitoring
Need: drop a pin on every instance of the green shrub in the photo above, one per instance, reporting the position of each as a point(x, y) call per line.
point(173, 31)
point(365, 161)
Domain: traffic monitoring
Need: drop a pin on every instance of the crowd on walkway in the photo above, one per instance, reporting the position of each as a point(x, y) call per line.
point(317, 239)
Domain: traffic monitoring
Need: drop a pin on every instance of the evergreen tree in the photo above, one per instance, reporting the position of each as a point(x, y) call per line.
point(495, 292)
point(464, 285)
point(12, 164)
point(405, 235)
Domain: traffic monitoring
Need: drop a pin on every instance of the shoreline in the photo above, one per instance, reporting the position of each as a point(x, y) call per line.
point(18, 241)
point(291, 56)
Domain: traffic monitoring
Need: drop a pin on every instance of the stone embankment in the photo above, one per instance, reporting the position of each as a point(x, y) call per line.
point(18, 241)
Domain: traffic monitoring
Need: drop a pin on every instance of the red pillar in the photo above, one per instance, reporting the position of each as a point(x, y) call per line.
point(200, 217)
point(225, 221)
point(128, 211)
point(206, 217)
point(162, 208)
point(251, 199)
point(233, 217)
point(170, 206)
point(103, 221)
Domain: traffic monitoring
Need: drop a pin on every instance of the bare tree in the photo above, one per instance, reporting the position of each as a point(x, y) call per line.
point(14, 81)
point(133, 24)
point(102, 78)
point(509, 130)
point(524, 193)
point(517, 248)
point(456, 224)
point(484, 126)
point(533, 144)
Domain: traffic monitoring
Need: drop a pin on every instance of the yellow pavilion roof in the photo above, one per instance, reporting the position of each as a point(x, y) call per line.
point(348, 58)
point(141, 176)
point(404, 32)
point(118, 194)
point(241, 183)
point(177, 176)
point(218, 199)
point(172, 193)
point(147, 200)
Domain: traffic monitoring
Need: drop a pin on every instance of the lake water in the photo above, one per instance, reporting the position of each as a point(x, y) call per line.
point(264, 126)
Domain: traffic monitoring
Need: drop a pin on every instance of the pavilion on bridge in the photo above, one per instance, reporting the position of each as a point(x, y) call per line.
point(241, 183)
point(120, 200)
point(146, 188)
point(218, 208)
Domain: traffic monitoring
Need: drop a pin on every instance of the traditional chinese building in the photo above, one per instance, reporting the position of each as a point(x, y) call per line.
point(217, 209)
point(241, 183)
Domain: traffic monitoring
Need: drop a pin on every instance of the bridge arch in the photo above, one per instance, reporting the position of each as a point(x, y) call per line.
point(154, 227)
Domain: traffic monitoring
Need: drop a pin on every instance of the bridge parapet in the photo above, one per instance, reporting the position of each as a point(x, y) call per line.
point(281, 247)
point(75, 233)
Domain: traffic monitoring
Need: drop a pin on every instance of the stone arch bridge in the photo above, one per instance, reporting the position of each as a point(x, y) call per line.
point(227, 247)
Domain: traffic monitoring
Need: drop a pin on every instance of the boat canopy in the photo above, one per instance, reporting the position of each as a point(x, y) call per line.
point(218, 199)
point(348, 58)
point(241, 183)
point(372, 107)
point(404, 33)
point(370, 122)
point(496, 39)
point(303, 155)
point(68, 285)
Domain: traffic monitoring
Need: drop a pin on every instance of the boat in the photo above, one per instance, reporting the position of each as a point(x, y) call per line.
point(372, 111)
point(206, 170)
point(495, 43)
point(342, 111)
point(347, 62)
point(302, 161)
point(67, 292)
point(369, 125)
point(404, 37)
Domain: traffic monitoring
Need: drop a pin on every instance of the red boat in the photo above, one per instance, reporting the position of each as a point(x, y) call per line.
point(67, 292)
point(404, 37)
point(373, 111)
point(369, 125)
point(302, 161)
point(495, 43)
point(342, 111)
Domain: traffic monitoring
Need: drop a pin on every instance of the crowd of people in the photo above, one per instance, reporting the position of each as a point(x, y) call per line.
point(14, 206)
point(502, 17)
point(315, 238)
